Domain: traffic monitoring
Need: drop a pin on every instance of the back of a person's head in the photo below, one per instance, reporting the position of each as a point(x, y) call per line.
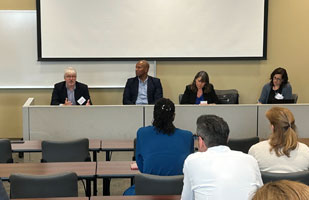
point(213, 129)
point(163, 116)
point(284, 137)
point(282, 190)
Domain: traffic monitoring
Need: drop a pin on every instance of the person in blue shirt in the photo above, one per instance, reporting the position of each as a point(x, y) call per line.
point(162, 148)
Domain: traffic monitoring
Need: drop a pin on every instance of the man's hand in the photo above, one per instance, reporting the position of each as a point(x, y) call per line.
point(88, 102)
point(67, 103)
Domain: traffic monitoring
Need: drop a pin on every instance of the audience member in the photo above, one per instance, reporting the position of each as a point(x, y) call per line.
point(142, 89)
point(216, 172)
point(162, 148)
point(284, 189)
point(70, 92)
point(200, 91)
point(281, 153)
point(278, 87)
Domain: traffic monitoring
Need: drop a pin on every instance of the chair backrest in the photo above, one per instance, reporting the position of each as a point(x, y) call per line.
point(302, 176)
point(243, 144)
point(147, 184)
point(180, 98)
point(3, 193)
point(228, 96)
point(66, 151)
point(38, 186)
point(5, 151)
point(295, 97)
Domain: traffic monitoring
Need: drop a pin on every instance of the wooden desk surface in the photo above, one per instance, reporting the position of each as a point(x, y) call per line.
point(115, 169)
point(304, 140)
point(137, 197)
point(35, 146)
point(63, 198)
point(117, 145)
point(82, 169)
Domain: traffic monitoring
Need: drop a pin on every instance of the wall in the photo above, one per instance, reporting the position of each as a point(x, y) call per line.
point(288, 45)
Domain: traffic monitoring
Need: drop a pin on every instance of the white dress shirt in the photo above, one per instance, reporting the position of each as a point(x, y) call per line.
point(220, 173)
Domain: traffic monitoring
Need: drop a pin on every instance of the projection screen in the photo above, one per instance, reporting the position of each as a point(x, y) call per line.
point(151, 29)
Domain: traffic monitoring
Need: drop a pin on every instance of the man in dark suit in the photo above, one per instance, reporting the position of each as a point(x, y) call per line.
point(70, 92)
point(142, 89)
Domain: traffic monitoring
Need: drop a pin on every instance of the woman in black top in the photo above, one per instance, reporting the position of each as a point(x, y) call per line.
point(200, 91)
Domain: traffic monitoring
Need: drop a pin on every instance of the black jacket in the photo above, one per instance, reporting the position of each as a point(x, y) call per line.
point(189, 97)
point(60, 93)
point(154, 90)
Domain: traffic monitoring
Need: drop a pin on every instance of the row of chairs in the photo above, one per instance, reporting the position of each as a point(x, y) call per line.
point(53, 151)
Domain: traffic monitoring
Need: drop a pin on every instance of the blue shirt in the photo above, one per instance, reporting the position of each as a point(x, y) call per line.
point(71, 95)
point(199, 99)
point(142, 92)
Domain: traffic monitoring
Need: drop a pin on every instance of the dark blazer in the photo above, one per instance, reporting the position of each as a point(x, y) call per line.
point(189, 97)
point(60, 93)
point(154, 90)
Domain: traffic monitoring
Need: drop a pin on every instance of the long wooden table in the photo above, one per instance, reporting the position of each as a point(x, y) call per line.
point(116, 145)
point(114, 169)
point(35, 146)
point(137, 197)
point(84, 170)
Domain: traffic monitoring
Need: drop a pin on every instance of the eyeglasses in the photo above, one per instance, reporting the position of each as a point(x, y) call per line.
point(69, 76)
point(277, 79)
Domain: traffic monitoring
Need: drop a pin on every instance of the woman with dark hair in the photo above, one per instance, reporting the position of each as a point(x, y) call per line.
point(161, 149)
point(200, 91)
point(281, 153)
point(278, 87)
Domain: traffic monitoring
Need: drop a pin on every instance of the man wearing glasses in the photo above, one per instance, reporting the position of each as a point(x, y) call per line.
point(70, 92)
point(216, 171)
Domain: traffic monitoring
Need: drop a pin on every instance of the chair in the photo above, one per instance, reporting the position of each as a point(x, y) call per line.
point(38, 186)
point(3, 193)
point(243, 144)
point(302, 176)
point(228, 96)
point(180, 98)
point(295, 97)
point(66, 151)
point(5, 151)
point(147, 184)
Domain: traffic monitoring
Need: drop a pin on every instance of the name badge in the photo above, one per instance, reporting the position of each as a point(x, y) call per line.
point(81, 100)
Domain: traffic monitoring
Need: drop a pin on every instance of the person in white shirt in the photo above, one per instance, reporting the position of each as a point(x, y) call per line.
point(281, 153)
point(216, 172)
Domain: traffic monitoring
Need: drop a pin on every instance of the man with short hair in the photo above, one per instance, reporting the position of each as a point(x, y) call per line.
point(216, 172)
point(142, 89)
point(70, 92)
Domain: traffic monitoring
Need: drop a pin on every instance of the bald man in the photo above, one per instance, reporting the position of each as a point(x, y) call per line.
point(142, 89)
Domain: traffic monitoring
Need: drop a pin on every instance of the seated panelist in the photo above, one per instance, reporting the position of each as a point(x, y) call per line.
point(142, 89)
point(200, 91)
point(70, 92)
point(278, 88)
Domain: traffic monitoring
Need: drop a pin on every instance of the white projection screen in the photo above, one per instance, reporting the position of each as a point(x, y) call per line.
point(151, 29)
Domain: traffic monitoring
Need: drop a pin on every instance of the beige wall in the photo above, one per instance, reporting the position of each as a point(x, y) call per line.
point(288, 46)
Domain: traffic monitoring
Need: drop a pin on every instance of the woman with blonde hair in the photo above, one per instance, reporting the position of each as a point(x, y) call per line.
point(281, 153)
point(284, 189)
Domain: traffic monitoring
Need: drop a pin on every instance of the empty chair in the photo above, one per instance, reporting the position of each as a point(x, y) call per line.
point(38, 186)
point(295, 97)
point(228, 96)
point(3, 194)
point(66, 151)
point(147, 184)
point(302, 176)
point(243, 144)
point(5, 151)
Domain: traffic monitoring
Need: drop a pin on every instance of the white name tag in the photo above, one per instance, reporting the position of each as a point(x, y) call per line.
point(81, 100)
